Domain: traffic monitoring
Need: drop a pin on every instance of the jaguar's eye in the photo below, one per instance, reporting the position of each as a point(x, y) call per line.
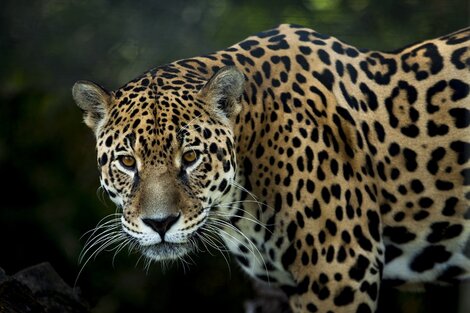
point(189, 157)
point(127, 161)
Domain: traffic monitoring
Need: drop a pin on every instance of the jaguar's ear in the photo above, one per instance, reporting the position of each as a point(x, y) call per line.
point(93, 100)
point(224, 90)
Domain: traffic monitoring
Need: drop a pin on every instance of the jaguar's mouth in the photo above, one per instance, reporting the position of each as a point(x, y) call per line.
point(166, 250)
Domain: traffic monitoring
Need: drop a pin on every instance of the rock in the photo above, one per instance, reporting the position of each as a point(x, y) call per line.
point(38, 289)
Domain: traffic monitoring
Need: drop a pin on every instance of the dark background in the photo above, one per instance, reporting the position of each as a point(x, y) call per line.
point(48, 172)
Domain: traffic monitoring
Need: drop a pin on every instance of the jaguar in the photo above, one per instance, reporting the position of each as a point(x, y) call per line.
point(324, 169)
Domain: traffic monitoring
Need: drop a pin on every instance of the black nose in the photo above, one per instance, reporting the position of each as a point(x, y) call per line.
point(161, 225)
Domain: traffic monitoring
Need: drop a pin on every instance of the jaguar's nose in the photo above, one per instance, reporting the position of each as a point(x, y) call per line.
point(161, 225)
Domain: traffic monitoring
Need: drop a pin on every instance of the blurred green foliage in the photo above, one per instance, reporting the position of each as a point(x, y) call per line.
point(47, 158)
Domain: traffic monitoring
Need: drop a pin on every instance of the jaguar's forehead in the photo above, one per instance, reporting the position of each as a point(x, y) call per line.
point(158, 109)
point(161, 88)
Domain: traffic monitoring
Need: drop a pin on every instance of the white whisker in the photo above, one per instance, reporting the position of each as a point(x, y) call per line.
point(254, 221)
point(251, 246)
point(106, 234)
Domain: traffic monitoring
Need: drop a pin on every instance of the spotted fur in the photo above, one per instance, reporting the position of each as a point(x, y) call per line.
point(323, 168)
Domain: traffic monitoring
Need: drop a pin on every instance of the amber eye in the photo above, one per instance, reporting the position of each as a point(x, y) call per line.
point(189, 157)
point(127, 161)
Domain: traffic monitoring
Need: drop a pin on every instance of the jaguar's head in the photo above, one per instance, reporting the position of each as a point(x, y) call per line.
point(165, 151)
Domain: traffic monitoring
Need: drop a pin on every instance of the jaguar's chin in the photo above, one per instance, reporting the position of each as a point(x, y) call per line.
point(166, 251)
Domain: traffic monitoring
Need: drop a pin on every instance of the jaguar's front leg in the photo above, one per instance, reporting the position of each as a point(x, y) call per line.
point(343, 280)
